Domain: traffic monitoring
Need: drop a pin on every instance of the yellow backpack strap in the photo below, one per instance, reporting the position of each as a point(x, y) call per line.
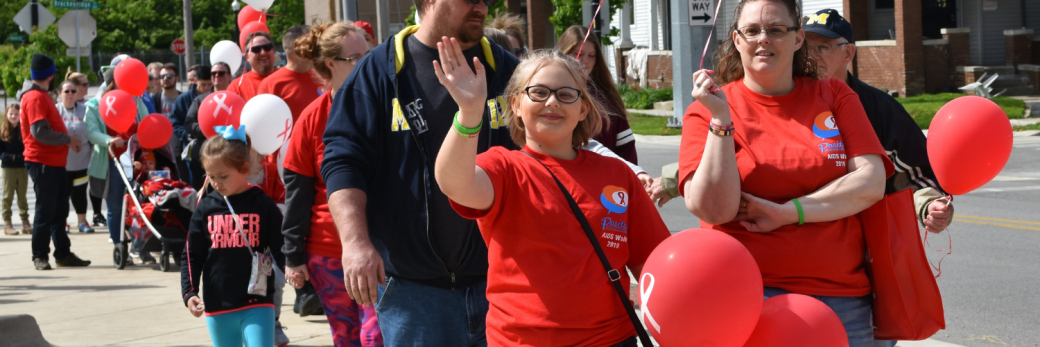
point(399, 48)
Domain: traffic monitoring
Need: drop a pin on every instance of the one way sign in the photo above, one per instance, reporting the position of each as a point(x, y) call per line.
point(701, 12)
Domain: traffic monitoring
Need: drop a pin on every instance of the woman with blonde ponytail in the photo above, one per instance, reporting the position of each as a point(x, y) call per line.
point(312, 244)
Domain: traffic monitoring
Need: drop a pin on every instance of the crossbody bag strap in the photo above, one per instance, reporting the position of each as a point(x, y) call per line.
point(238, 223)
point(613, 274)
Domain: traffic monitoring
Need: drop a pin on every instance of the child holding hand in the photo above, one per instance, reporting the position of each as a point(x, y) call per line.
point(235, 213)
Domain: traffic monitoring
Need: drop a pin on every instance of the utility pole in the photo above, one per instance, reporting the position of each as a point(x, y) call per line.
point(189, 34)
point(350, 10)
point(382, 20)
point(687, 42)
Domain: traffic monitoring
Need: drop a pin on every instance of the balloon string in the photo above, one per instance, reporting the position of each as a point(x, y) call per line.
point(708, 42)
point(589, 31)
point(949, 248)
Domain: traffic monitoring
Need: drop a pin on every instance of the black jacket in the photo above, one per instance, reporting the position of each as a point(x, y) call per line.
point(11, 151)
point(377, 141)
point(901, 137)
point(216, 255)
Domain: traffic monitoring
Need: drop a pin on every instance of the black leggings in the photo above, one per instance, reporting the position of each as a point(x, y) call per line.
point(79, 193)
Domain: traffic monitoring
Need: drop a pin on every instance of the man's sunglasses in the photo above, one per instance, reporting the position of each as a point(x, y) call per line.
point(218, 73)
point(169, 76)
point(261, 48)
point(489, 3)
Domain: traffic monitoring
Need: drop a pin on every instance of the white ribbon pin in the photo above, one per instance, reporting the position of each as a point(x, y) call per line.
point(219, 99)
point(108, 102)
point(644, 296)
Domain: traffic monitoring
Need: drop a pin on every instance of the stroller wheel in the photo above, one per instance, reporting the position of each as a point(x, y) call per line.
point(164, 262)
point(120, 255)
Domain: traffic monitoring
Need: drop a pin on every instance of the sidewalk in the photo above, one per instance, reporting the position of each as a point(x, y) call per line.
point(101, 306)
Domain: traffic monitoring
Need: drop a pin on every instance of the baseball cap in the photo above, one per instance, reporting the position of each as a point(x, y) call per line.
point(366, 27)
point(829, 23)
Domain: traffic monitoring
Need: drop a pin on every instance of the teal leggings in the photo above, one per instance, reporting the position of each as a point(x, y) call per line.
point(253, 326)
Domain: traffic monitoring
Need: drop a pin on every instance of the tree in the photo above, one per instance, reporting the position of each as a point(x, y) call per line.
point(14, 63)
point(568, 12)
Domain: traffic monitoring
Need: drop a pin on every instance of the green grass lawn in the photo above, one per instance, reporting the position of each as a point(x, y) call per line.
point(924, 107)
point(651, 125)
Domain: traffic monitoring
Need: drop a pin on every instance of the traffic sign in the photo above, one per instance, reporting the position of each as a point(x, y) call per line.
point(24, 18)
point(82, 5)
point(68, 31)
point(178, 46)
point(701, 12)
point(16, 37)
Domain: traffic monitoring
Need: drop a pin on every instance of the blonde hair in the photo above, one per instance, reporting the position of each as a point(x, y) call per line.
point(324, 41)
point(523, 74)
point(77, 77)
point(233, 153)
point(728, 64)
point(6, 128)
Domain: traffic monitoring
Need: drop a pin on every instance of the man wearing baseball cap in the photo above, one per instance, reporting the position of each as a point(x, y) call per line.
point(47, 144)
point(370, 36)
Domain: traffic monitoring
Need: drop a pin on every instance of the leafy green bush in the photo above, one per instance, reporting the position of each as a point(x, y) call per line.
point(643, 99)
point(924, 107)
point(14, 62)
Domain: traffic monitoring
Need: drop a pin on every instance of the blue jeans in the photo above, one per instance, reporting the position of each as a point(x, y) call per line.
point(856, 314)
point(412, 314)
point(52, 208)
point(114, 200)
point(253, 327)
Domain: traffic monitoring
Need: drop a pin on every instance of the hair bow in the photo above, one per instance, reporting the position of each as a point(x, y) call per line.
point(229, 132)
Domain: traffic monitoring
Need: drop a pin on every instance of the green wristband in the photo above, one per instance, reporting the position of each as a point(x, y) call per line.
point(462, 129)
point(801, 214)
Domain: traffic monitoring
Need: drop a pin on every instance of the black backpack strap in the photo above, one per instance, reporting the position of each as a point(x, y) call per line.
point(613, 274)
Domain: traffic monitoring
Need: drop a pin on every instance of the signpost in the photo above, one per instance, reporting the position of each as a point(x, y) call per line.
point(33, 14)
point(701, 12)
point(77, 28)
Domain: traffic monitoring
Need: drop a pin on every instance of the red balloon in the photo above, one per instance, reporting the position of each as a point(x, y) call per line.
point(797, 320)
point(118, 110)
point(220, 108)
point(249, 14)
point(250, 28)
point(132, 76)
point(969, 141)
point(700, 287)
point(155, 131)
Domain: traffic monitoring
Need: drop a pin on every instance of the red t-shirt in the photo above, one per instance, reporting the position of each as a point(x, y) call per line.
point(546, 286)
point(246, 85)
point(272, 184)
point(37, 106)
point(298, 89)
point(787, 147)
point(304, 156)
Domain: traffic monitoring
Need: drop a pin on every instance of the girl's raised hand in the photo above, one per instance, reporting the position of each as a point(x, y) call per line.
point(468, 88)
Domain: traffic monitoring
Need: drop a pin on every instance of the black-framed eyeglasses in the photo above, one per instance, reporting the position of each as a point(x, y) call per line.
point(773, 31)
point(218, 73)
point(68, 91)
point(827, 49)
point(167, 76)
point(261, 48)
point(351, 59)
point(565, 95)
point(489, 3)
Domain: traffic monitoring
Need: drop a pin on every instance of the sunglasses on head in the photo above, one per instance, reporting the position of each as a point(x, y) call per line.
point(218, 73)
point(489, 3)
point(261, 48)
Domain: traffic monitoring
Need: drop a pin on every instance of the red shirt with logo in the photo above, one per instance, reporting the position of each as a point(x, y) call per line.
point(298, 89)
point(304, 156)
point(37, 106)
point(787, 147)
point(546, 286)
point(246, 85)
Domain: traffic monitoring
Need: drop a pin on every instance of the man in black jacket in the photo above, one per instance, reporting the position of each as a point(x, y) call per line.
point(829, 37)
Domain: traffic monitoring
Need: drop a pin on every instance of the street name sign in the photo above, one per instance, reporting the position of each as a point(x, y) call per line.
point(80, 5)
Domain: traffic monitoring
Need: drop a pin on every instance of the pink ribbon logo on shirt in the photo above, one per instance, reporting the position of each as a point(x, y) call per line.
point(109, 101)
point(644, 297)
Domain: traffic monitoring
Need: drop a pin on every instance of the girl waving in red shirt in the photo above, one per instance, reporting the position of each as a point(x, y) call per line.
point(545, 283)
point(783, 163)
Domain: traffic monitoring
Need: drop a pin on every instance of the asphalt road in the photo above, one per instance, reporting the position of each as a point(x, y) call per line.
point(989, 282)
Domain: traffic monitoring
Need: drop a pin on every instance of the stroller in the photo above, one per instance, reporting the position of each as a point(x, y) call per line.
point(156, 211)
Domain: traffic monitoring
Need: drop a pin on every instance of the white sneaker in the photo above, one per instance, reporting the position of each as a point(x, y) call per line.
point(280, 339)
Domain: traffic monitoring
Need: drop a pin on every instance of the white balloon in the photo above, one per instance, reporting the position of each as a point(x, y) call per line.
point(228, 52)
point(259, 5)
point(268, 122)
